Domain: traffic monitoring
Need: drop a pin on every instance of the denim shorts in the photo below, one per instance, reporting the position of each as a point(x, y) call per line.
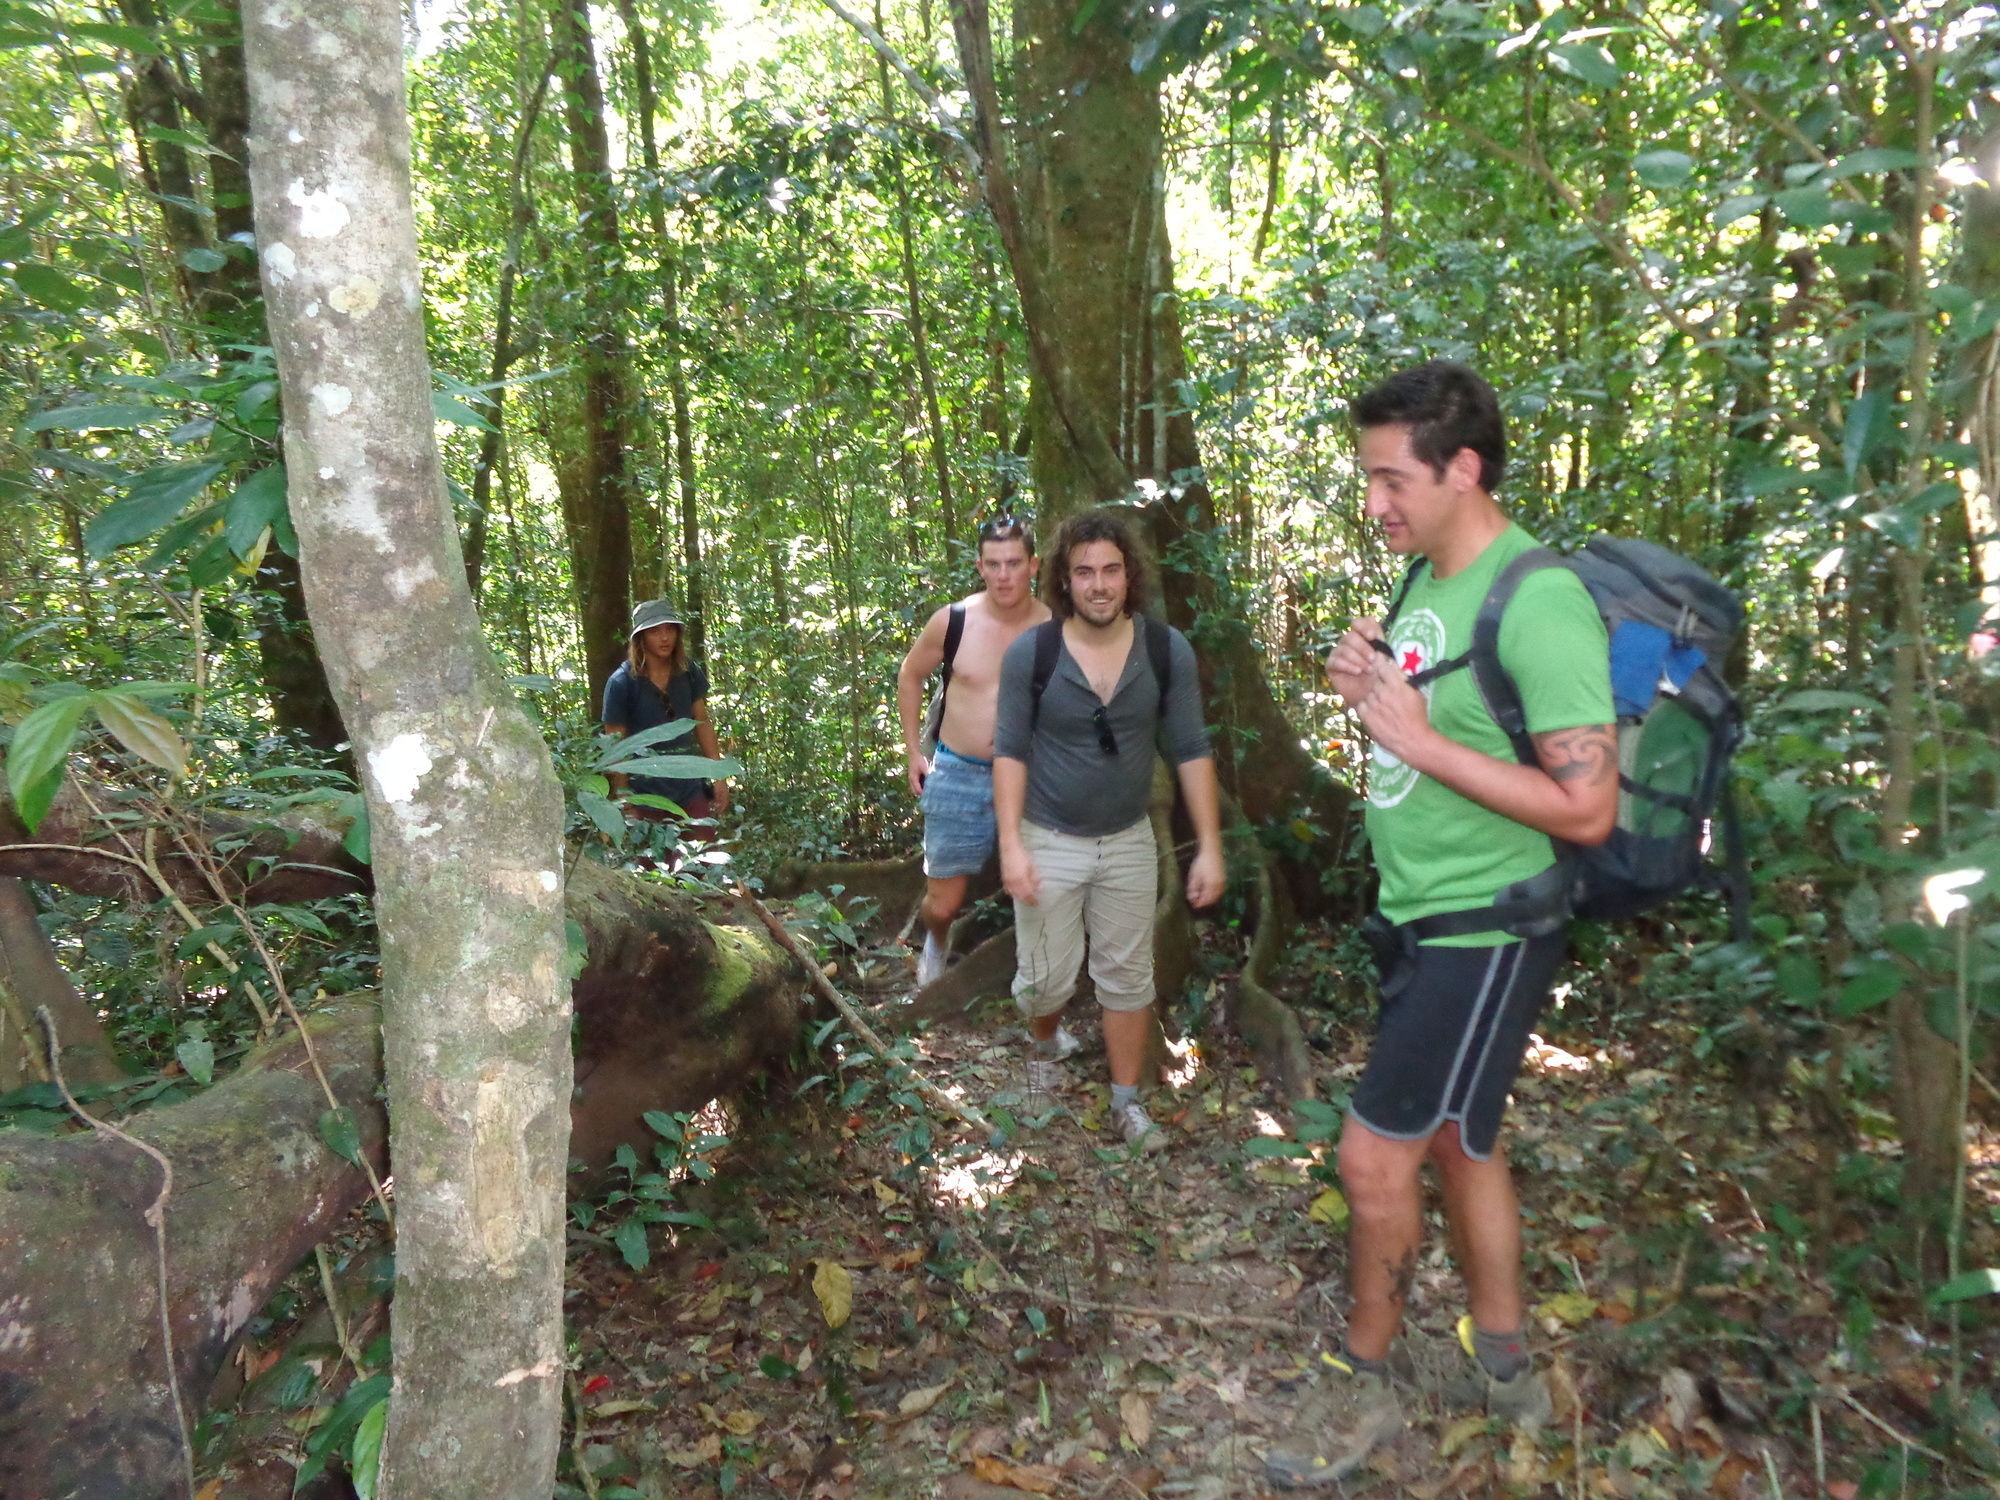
point(959, 832)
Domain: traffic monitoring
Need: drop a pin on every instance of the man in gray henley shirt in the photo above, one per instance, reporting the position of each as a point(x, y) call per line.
point(1071, 780)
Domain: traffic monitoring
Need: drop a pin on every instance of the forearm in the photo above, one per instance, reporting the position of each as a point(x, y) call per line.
point(910, 706)
point(704, 737)
point(1010, 800)
point(1578, 811)
point(1198, 790)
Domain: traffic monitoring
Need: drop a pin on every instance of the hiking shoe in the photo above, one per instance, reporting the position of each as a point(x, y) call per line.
point(930, 963)
point(1522, 1400)
point(1350, 1420)
point(1137, 1129)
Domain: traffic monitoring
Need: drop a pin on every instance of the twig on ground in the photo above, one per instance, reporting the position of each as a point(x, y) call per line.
point(156, 1216)
point(869, 1037)
point(1909, 1443)
point(583, 1475)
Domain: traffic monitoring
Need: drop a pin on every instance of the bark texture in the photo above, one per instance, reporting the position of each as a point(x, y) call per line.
point(463, 804)
point(33, 977)
point(85, 1411)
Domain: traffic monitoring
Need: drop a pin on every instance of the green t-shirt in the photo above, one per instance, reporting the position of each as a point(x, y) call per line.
point(1438, 851)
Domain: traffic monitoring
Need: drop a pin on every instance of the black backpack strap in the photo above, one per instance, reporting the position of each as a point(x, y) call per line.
point(1502, 697)
point(1403, 590)
point(954, 632)
point(1160, 655)
point(1534, 907)
point(1048, 646)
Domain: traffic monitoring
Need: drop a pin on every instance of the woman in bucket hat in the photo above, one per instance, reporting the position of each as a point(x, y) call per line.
point(655, 685)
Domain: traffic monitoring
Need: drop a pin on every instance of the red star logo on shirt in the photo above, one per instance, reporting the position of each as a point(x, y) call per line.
point(1413, 661)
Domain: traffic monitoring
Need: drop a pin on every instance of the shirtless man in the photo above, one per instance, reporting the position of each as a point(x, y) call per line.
point(955, 785)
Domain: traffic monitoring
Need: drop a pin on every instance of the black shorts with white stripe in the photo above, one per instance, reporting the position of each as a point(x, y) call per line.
point(1454, 1025)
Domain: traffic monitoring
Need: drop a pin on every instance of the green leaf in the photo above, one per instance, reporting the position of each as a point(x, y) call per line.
point(204, 260)
point(632, 744)
point(602, 811)
point(256, 505)
point(576, 948)
point(110, 417)
point(48, 286)
point(630, 1238)
point(1828, 700)
point(131, 38)
point(663, 1124)
point(1964, 1288)
point(1363, 20)
point(337, 1129)
point(451, 409)
point(1587, 61)
point(1807, 207)
point(1799, 979)
point(1874, 159)
point(1083, 14)
point(1868, 422)
point(142, 730)
point(151, 501)
point(355, 841)
point(35, 758)
point(197, 1060)
point(1663, 169)
point(773, 1368)
point(1868, 989)
point(364, 1463)
point(681, 767)
point(1742, 206)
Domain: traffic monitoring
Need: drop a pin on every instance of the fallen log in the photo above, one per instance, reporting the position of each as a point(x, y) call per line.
point(673, 1010)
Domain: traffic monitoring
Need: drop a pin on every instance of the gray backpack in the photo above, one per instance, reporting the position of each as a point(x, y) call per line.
point(1671, 628)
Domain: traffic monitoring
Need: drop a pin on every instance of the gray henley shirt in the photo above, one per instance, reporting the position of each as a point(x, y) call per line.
point(1074, 787)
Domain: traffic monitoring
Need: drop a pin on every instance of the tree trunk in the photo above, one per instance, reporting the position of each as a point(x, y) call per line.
point(464, 812)
point(34, 978)
point(88, 1409)
point(521, 213)
point(673, 1010)
point(1100, 266)
point(600, 522)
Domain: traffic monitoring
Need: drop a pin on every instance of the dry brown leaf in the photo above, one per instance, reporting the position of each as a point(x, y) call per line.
point(1460, 1433)
point(1137, 1418)
point(620, 1408)
point(707, 1451)
point(1036, 1479)
point(742, 1423)
point(922, 1399)
point(835, 1290)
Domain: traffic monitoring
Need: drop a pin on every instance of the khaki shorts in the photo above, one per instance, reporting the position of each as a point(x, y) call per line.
point(1105, 889)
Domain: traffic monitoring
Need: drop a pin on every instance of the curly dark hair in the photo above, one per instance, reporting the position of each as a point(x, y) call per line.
point(1081, 529)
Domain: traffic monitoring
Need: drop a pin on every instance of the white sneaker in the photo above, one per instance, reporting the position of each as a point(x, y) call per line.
point(930, 963)
point(1137, 1128)
point(1066, 1045)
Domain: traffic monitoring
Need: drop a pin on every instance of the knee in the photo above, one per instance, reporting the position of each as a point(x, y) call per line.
point(1377, 1178)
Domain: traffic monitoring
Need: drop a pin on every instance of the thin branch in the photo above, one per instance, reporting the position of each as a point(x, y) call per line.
point(933, 101)
point(156, 1217)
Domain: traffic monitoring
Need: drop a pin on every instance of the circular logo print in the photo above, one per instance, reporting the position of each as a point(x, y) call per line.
point(1417, 638)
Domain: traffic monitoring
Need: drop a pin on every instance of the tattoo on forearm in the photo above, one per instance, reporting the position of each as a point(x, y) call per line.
point(1588, 755)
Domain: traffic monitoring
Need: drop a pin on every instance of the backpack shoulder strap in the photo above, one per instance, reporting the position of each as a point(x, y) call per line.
point(1502, 697)
point(954, 632)
point(1403, 589)
point(1160, 654)
point(1048, 645)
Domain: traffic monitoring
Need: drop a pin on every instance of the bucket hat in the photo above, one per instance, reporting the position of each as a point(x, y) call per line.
point(656, 612)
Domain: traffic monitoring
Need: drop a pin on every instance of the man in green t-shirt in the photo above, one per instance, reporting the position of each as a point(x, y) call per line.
point(1458, 826)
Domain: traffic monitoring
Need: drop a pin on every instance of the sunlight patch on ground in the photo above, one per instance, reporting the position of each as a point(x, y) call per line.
point(1186, 1064)
point(1547, 1057)
point(976, 1183)
point(1265, 1123)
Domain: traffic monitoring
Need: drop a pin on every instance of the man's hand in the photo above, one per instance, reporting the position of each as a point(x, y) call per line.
point(720, 802)
point(920, 769)
point(1019, 877)
point(1205, 878)
point(1350, 666)
point(1396, 715)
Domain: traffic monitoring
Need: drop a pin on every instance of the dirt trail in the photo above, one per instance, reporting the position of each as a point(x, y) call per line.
point(1056, 1316)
